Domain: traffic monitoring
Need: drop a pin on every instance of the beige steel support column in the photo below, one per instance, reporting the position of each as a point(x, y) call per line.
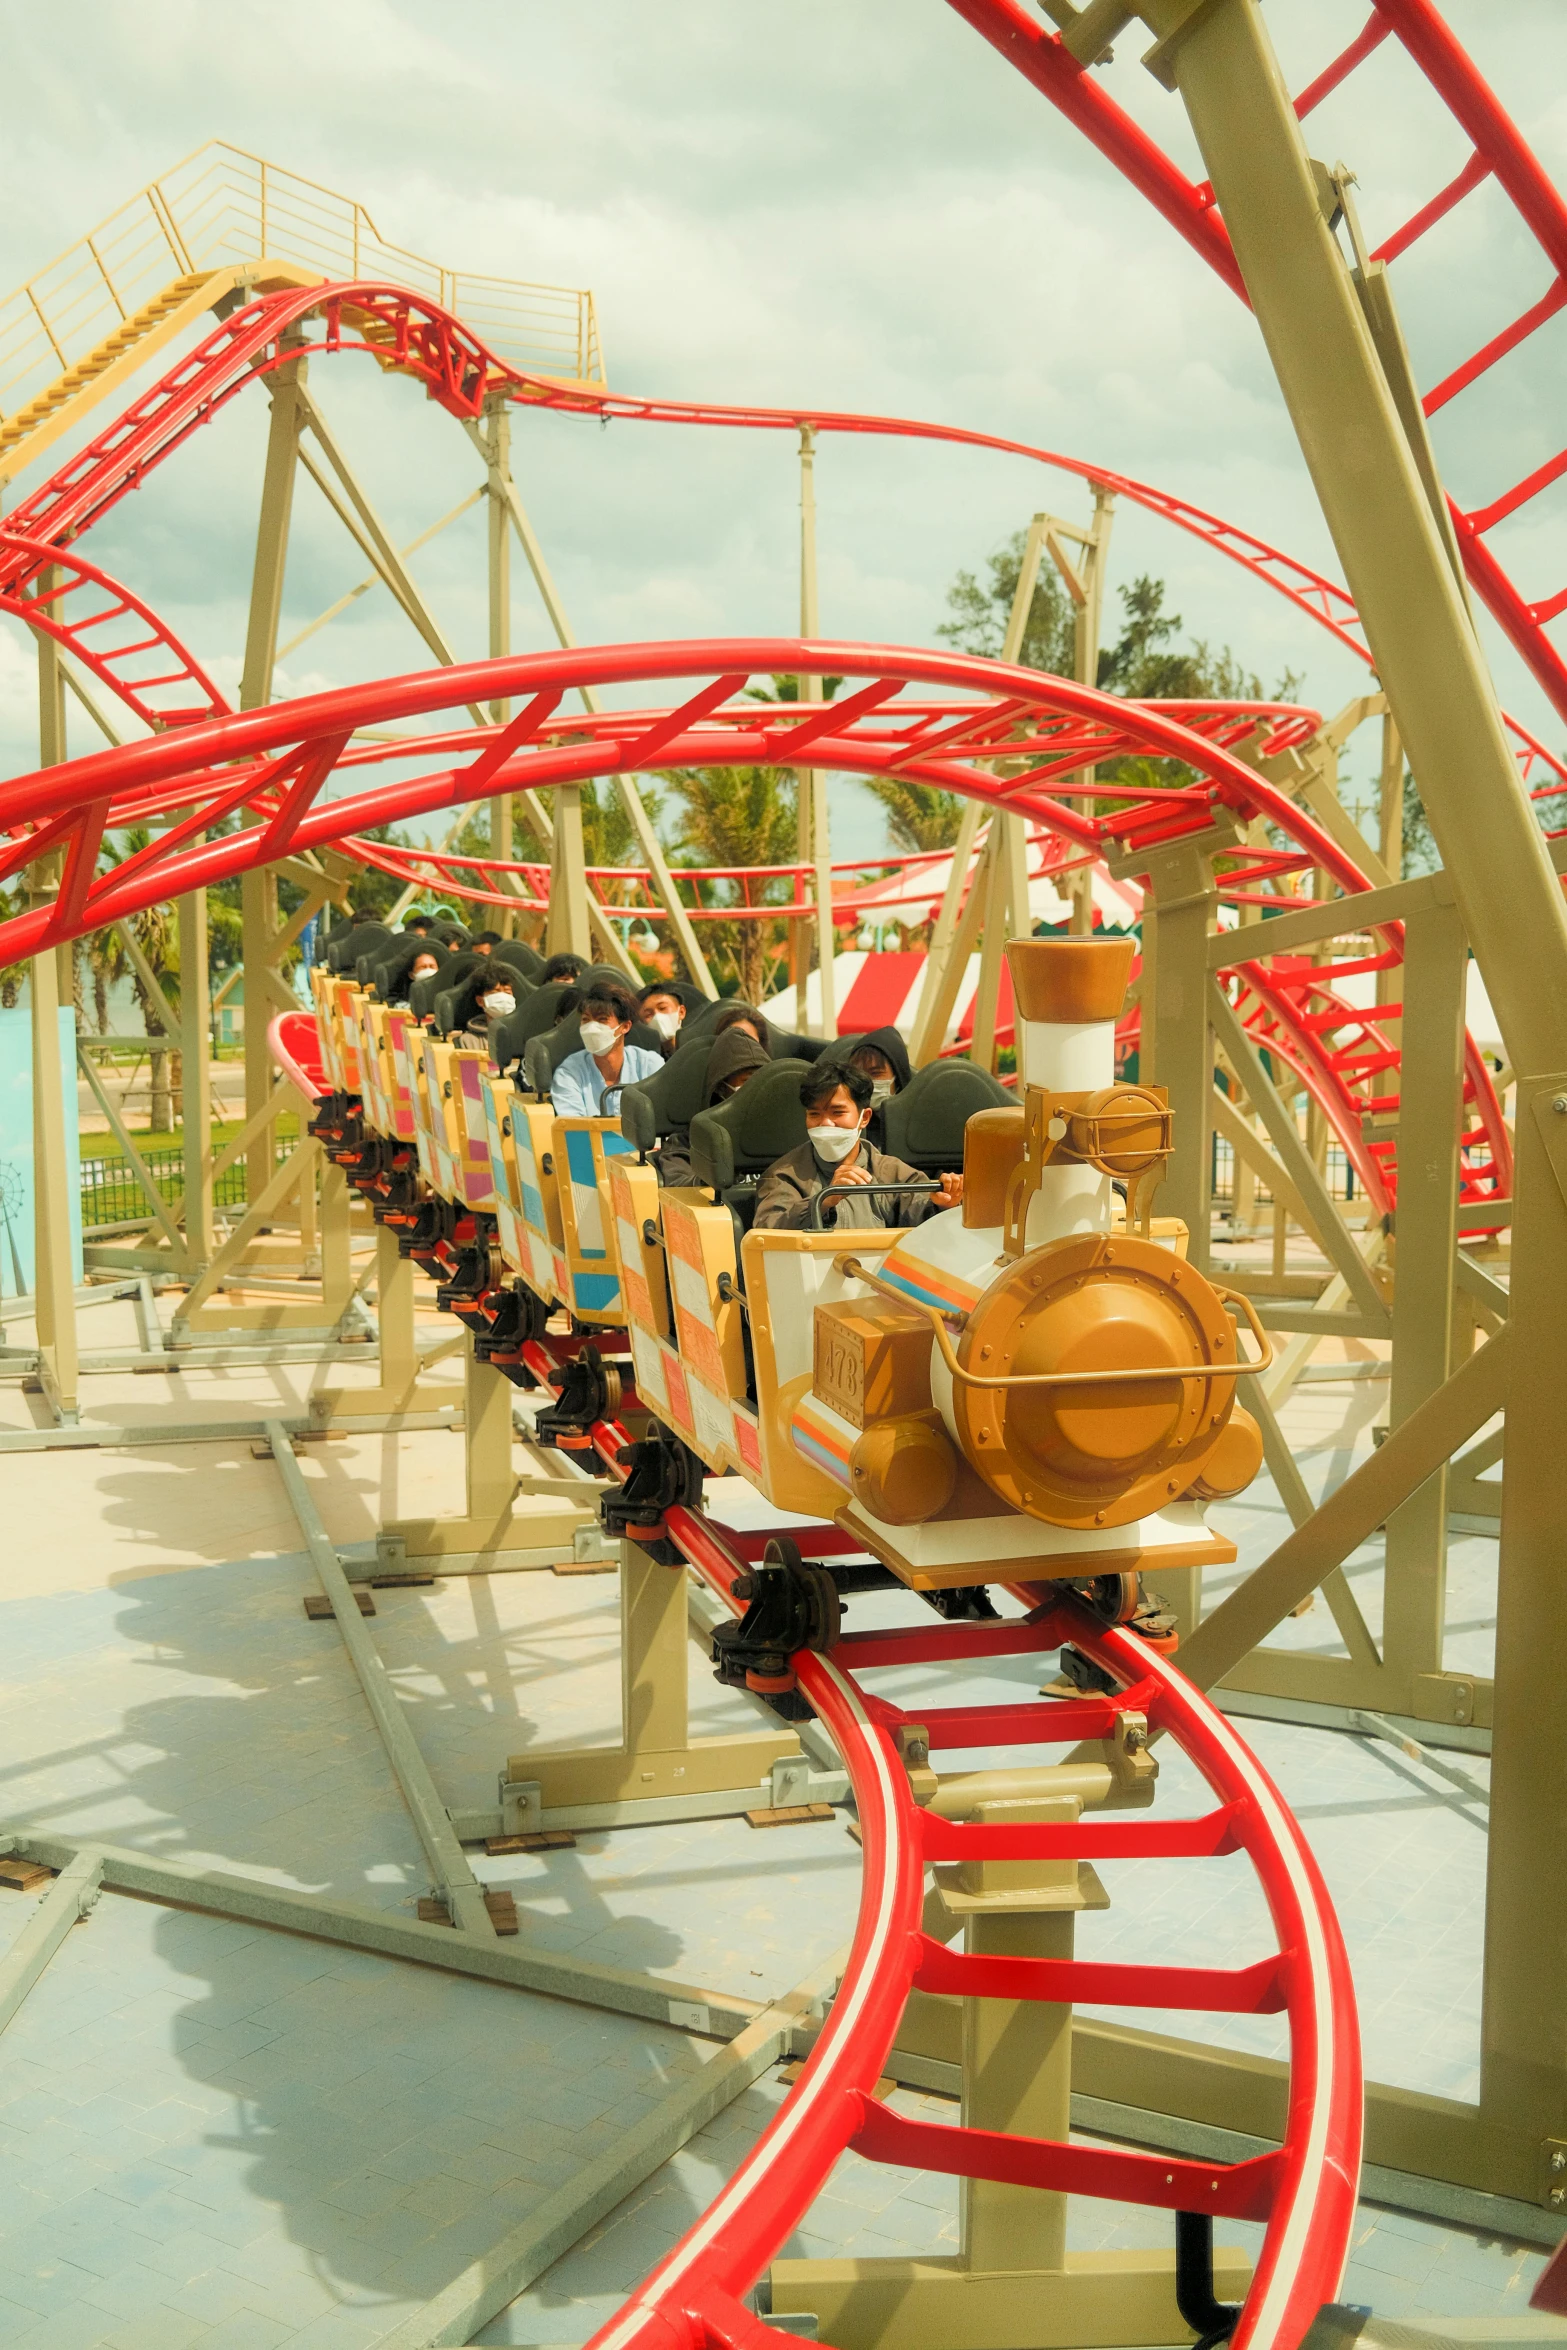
point(1398, 569)
point(1084, 582)
point(498, 447)
point(1431, 1081)
point(196, 1077)
point(335, 1240)
point(1181, 892)
point(949, 977)
point(657, 1755)
point(397, 1390)
point(1390, 833)
point(1004, 879)
point(49, 976)
point(502, 1515)
point(53, 1288)
point(814, 831)
point(504, 489)
point(567, 930)
point(1005, 872)
point(258, 891)
point(943, 974)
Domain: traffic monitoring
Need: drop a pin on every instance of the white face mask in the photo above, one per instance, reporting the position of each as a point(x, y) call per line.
point(833, 1143)
point(500, 1003)
point(882, 1090)
point(597, 1036)
point(668, 1023)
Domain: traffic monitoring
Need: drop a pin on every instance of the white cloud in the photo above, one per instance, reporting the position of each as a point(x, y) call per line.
point(860, 207)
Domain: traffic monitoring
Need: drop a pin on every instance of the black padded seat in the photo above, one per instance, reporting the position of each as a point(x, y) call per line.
point(741, 1138)
point(533, 1017)
point(667, 1103)
point(343, 946)
point(924, 1123)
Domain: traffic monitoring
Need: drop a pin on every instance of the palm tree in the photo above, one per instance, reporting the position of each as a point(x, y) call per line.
point(732, 818)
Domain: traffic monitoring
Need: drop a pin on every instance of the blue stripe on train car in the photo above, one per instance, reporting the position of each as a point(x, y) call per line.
point(596, 1292)
point(579, 1158)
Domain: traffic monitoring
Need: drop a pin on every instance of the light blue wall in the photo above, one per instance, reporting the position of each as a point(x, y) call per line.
point(16, 1147)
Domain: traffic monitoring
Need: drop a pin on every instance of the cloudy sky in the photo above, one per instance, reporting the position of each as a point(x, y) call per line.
point(848, 203)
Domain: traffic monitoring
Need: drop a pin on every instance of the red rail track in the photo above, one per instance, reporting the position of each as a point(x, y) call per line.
point(410, 333)
point(1304, 2194)
point(277, 762)
point(1498, 153)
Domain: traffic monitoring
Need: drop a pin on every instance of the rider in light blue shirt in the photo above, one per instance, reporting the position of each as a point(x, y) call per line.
point(587, 1084)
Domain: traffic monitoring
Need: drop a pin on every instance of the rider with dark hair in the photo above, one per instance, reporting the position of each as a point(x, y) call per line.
point(837, 1158)
point(563, 967)
point(587, 1084)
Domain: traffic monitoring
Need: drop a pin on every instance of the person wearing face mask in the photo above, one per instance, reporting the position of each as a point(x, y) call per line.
point(413, 960)
point(837, 1158)
point(662, 1009)
point(587, 1084)
point(489, 997)
point(734, 1060)
point(883, 1057)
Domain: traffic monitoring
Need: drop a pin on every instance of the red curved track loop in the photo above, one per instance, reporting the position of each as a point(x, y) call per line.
point(1304, 2194)
point(278, 761)
point(281, 758)
point(110, 630)
point(1498, 151)
point(416, 336)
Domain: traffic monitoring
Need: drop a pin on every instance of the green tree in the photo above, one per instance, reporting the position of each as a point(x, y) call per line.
point(733, 818)
point(919, 815)
point(979, 614)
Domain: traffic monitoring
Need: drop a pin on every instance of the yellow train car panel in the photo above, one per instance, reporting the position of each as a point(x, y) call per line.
point(476, 1175)
point(582, 1151)
point(533, 1141)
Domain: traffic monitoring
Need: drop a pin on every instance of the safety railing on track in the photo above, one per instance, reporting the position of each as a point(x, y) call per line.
point(221, 206)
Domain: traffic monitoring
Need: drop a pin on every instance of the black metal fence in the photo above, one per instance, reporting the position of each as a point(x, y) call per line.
point(112, 1195)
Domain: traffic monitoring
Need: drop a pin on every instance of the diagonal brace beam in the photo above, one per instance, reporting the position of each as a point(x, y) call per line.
point(1298, 1163)
point(1414, 1451)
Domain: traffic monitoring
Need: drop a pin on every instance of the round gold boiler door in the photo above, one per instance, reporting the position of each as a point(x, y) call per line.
point(1094, 1451)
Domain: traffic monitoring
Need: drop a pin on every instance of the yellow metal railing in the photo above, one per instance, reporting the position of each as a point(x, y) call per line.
point(222, 207)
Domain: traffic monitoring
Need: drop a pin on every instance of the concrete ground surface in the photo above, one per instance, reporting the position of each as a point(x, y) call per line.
point(213, 2132)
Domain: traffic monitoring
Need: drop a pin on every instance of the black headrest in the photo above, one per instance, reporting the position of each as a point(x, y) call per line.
point(533, 1016)
point(520, 956)
point(924, 1123)
point(836, 1050)
point(343, 946)
point(605, 975)
point(663, 1104)
point(787, 1047)
point(755, 1126)
point(447, 1008)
